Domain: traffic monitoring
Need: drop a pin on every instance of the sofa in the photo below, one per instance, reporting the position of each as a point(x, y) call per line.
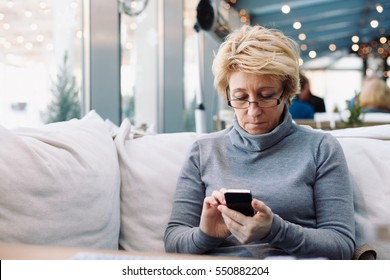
point(88, 183)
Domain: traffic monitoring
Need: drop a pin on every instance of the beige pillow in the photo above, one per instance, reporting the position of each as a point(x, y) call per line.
point(369, 163)
point(150, 167)
point(60, 184)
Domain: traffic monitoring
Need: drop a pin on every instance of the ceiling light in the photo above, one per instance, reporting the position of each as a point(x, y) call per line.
point(285, 9)
point(383, 40)
point(133, 26)
point(243, 19)
point(29, 46)
point(302, 36)
point(303, 47)
point(243, 12)
point(20, 39)
point(49, 47)
point(7, 45)
point(128, 46)
point(312, 54)
point(79, 34)
point(374, 23)
point(226, 5)
point(10, 4)
point(40, 38)
point(27, 14)
point(297, 25)
point(355, 47)
point(379, 8)
point(73, 5)
point(43, 5)
point(355, 39)
point(332, 47)
point(6, 26)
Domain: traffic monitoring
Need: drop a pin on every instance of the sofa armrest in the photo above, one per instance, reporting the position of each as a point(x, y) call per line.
point(364, 252)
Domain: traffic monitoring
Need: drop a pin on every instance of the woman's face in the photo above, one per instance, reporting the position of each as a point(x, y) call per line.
point(256, 120)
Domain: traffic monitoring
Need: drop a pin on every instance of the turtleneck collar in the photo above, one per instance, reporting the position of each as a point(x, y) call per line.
point(257, 143)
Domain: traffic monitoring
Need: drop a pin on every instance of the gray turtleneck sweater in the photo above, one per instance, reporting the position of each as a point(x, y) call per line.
point(300, 173)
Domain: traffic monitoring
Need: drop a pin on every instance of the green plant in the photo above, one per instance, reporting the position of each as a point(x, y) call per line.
point(355, 117)
point(128, 107)
point(65, 104)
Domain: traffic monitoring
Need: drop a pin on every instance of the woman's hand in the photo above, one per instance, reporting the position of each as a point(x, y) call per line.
point(211, 220)
point(247, 229)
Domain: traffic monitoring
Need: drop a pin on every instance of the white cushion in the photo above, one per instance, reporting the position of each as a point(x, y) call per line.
point(369, 164)
point(150, 167)
point(380, 132)
point(60, 185)
point(368, 159)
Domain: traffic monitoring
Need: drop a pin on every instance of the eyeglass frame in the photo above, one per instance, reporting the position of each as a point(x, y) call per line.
point(278, 100)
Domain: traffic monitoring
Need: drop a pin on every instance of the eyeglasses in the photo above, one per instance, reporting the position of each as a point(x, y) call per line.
point(262, 102)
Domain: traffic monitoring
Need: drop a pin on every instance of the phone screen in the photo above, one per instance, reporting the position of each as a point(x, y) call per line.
point(240, 200)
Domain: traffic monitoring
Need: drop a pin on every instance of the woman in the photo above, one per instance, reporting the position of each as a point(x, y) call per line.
point(298, 177)
point(375, 96)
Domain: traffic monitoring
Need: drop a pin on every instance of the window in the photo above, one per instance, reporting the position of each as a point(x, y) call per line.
point(140, 67)
point(35, 38)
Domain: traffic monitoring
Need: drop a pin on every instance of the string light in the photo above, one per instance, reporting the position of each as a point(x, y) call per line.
point(10, 4)
point(379, 8)
point(374, 23)
point(285, 9)
point(297, 25)
point(302, 36)
point(20, 39)
point(6, 26)
point(332, 47)
point(43, 5)
point(312, 54)
point(28, 14)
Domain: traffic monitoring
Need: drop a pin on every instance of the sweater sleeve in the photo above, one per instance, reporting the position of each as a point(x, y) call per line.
point(183, 234)
point(333, 237)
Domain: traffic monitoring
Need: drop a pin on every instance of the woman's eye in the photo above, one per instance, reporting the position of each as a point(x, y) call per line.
point(267, 96)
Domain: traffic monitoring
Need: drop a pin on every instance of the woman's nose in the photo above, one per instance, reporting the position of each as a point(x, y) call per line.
point(254, 109)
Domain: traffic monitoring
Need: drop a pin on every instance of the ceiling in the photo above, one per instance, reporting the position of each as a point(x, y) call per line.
point(28, 28)
point(323, 22)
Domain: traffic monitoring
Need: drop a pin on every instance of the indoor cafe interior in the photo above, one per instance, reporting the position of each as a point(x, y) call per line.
point(101, 100)
point(150, 61)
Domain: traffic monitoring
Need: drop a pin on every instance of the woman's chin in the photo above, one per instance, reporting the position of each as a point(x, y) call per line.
point(258, 128)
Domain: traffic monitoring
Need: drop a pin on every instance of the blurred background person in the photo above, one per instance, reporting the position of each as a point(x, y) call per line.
point(306, 95)
point(301, 110)
point(375, 96)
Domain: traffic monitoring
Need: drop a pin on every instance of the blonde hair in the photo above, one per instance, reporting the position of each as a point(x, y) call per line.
point(261, 51)
point(375, 94)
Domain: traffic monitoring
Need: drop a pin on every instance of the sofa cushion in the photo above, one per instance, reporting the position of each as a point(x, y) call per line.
point(367, 151)
point(379, 132)
point(149, 166)
point(60, 185)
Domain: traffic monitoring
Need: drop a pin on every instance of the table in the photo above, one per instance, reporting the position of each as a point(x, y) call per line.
point(14, 251)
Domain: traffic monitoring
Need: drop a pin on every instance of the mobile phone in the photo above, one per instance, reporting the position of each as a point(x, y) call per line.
point(239, 200)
